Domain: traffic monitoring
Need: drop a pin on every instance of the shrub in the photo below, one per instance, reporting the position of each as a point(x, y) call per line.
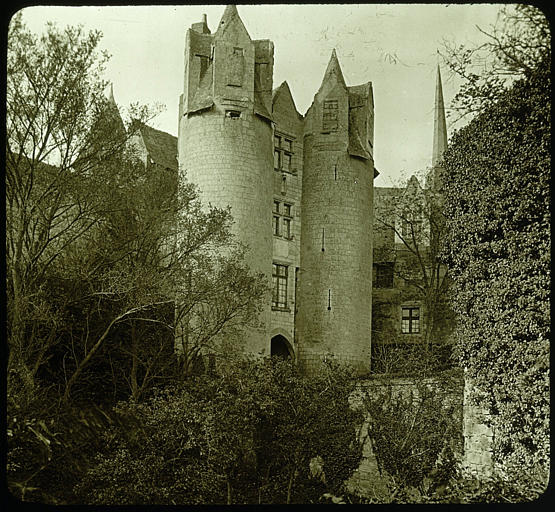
point(415, 435)
point(245, 435)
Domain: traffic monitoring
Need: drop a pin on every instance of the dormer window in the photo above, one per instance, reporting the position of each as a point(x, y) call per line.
point(235, 67)
point(329, 116)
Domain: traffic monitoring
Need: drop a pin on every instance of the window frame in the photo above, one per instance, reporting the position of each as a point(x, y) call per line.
point(414, 322)
point(330, 116)
point(283, 148)
point(282, 223)
point(388, 277)
point(280, 286)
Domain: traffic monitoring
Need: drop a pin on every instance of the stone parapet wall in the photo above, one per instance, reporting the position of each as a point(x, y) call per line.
point(477, 438)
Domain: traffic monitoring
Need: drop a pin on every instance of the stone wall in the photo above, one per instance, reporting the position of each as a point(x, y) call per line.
point(230, 161)
point(476, 437)
point(287, 189)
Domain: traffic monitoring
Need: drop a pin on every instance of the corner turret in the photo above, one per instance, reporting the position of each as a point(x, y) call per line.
point(335, 291)
point(225, 141)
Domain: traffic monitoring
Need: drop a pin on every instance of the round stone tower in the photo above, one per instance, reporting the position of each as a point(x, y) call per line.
point(335, 293)
point(225, 143)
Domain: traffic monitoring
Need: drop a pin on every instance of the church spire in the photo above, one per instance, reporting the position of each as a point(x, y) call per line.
point(440, 127)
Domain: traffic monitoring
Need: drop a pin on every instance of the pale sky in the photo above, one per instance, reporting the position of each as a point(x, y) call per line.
point(393, 46)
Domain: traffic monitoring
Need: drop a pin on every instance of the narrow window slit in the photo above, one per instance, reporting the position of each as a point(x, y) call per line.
point(323, 240)
point(329, 299)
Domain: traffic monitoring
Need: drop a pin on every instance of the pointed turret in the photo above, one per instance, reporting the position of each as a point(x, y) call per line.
point(230, 18)
point(225, 144)
point(335, 289)
point(440, 127)
point(333, 71)
point(229, 12)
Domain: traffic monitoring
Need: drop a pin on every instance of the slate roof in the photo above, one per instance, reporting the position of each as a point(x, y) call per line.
point(161, 146)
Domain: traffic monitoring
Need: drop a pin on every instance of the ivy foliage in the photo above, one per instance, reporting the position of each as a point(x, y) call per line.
point(497, 204)
point(257, 432)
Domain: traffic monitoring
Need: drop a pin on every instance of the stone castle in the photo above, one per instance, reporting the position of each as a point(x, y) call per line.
point(300, 189)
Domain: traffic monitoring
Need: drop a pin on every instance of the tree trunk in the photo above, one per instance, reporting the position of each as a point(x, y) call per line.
point(134, 349)
point(229, 502)
point(290, 485)
point(16, 341)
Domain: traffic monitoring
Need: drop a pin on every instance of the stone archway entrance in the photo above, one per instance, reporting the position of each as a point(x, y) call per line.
point(281, 347)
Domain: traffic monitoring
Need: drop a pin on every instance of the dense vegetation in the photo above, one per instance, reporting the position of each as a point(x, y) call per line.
point(106, 262)
point(248, 435)
point(497, 204)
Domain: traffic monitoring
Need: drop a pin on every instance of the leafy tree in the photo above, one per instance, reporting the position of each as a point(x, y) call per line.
point(98, 250)
point(519, 39)
point(497, 206)
point(54, 98)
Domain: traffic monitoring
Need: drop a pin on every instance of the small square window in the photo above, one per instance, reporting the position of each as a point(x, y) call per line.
point(410, 320)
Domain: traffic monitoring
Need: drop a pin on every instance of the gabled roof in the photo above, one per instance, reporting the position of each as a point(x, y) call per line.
point(285, 91)
point(161, 146)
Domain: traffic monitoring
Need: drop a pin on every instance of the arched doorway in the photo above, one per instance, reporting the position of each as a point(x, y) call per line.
point(280, 347)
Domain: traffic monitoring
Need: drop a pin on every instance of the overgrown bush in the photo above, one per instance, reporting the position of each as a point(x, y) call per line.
point(245, 435)
point(415, 433)
point(49, 444)
point(496, 490)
